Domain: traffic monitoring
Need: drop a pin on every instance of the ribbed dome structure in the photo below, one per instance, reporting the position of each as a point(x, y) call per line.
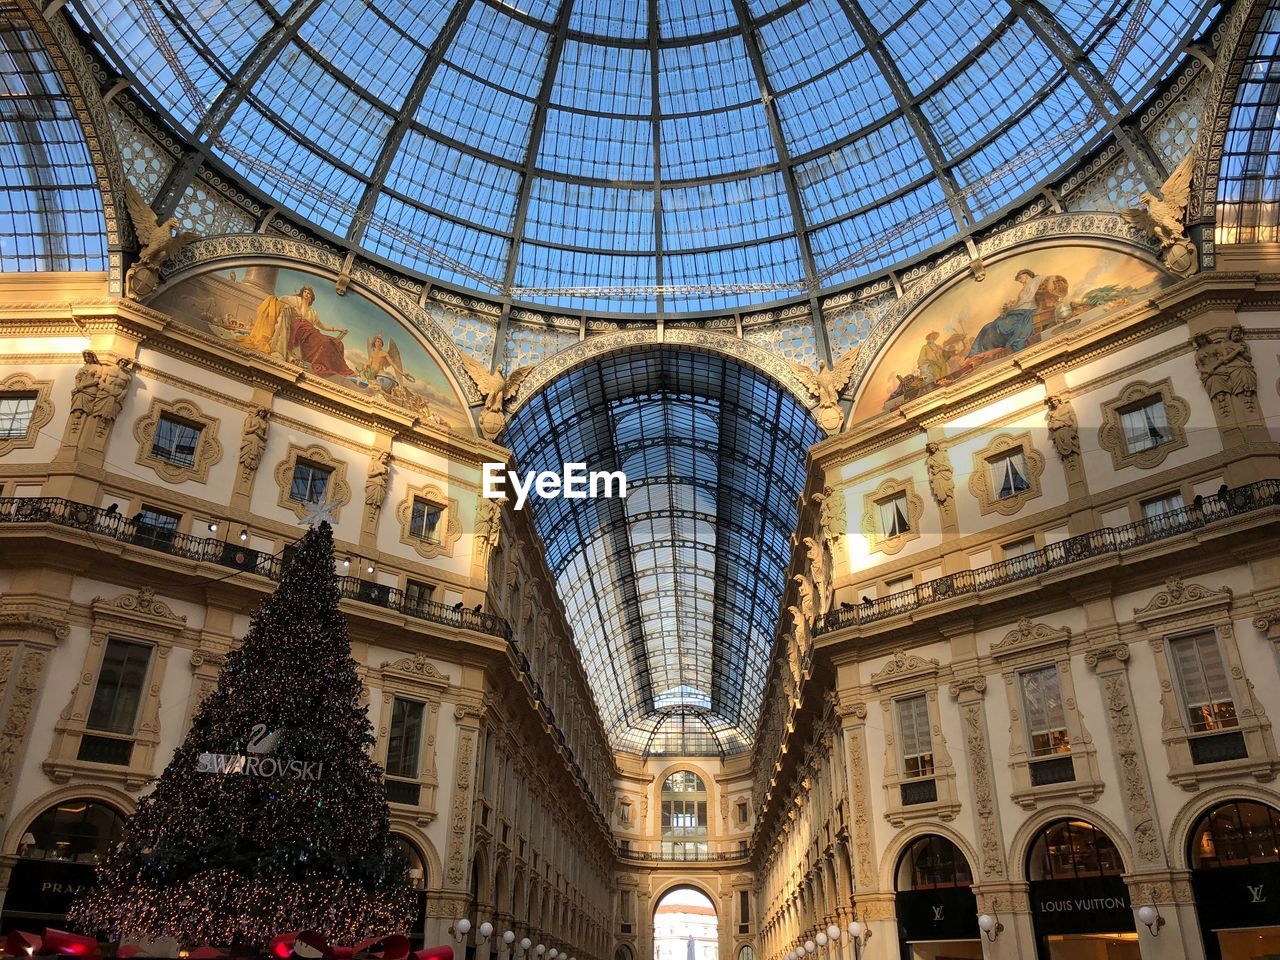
point(644, 157)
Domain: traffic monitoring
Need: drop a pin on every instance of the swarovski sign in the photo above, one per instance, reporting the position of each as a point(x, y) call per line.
point(257, 761)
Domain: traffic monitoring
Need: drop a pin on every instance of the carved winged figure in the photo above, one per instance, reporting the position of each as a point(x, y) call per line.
point(1163, 217)
point(496, 390)
point(825, 385)
point(157, 241)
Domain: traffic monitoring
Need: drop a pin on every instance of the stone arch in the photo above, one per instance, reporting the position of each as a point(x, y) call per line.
point(668, 886)
point(1201, 803)
point(120, 801)
point(422, 843)
point(676, 338)
point(1029, 832)
point(893, 852)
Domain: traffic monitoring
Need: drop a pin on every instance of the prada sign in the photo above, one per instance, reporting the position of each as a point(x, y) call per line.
point(44, 889)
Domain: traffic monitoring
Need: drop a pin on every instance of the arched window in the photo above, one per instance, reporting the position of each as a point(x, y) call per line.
point(685, 926)
point(684, 817)
point(1072, 849)
point(417, 865)
point(931, 863)
point(1236, 834)
point(76, 831)
point(746, 953)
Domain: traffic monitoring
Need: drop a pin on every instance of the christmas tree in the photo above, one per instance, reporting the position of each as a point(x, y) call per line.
point(271, 816)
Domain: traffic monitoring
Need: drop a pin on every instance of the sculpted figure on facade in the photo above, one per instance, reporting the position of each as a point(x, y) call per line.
point(1064, 428)
point(497, 390)
point(254, 441)
point(98, 392)
point(375, 487)
point(819, 573)
point(825, 386)
point(942, 482)
point(1225, 364)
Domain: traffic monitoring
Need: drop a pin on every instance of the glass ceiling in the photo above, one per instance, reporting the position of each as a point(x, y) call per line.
point(674, 592)
point(658, 156)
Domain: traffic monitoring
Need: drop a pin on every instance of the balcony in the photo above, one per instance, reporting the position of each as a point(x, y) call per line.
point(653, 853)
point(1087, 546)
point(113, 526)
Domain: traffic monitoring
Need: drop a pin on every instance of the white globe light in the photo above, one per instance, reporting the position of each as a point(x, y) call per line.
point(463, 926)
point(486, 929)
point(821, 939)
point(508, 938)
point(833, 932)
point(810, 946)
point(552, 953)
point(525, 943)
point(855, 930)
point(540, 949)
point(986, 923)
point(1147, 914)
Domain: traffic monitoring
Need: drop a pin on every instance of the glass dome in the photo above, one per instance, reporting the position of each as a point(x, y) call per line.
point(655, 157)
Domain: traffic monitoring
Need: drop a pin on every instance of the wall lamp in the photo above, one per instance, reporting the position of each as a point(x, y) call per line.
point(486, 931)
point(1150, 916)
point(461, 927)
point(991, 926)
point(860, 934)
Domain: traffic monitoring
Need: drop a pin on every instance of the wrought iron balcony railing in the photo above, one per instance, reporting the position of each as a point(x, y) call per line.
point(101, 522)
point(627, 852)
point(1096, 543)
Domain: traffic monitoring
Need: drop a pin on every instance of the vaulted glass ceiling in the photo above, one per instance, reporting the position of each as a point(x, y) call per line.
point(674, 592)
point(665, 155)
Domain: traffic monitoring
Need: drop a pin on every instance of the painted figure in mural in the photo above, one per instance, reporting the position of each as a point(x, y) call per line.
point(384, 366)
point(932, 361)
point(1013, 328)
point(289, 327)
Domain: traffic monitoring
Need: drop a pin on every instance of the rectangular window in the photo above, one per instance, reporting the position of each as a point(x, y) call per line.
point(310, 482)
point(405, 741)
point(916, 742)
point(1202, 682)
point(176, 441)
point(1146, 425)
point(1160, 505)
point(155, 528)
point(119, 690)
point(1019, 548)
point(899, 585)
point(742, 813)
point(16, 410)
point(425, 522)
point(894, 517)
point(1042, 706)
point(1009, 474)
point(417, 593)
point(744, 911)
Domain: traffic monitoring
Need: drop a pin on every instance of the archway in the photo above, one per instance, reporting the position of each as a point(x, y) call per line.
point(1234, 853)
point(937, 911)
point(58, 853)
point(685, 926)
point(419, 877)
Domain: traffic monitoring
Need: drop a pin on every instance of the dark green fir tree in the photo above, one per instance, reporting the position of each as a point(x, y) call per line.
point(272, 816)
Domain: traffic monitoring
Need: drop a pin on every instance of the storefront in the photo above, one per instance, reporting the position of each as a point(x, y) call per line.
point(57, 859)
point(937, 911)
point(1234, 854)
point(1080, 907)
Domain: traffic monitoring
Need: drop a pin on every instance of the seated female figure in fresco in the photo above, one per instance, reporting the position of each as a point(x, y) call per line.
point(1023, 316)
point(289, 327)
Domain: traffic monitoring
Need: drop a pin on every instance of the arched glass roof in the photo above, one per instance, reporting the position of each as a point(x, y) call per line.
point(666, 155)
point(673, 592)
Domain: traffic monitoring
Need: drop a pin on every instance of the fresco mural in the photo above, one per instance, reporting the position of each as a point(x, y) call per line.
point(298, 317)
point(1022, 300)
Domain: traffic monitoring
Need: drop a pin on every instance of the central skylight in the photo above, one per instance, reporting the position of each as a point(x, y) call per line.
point(674, 592)
point(644, 157)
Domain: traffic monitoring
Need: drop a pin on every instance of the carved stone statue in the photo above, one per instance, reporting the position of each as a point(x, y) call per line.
point(826, 385)
point(488, 522)
point(497, 390)
point(1163, 218)
point(831, 517)
point(158, 241)
point(375, 486)
point(942, 482)
point(254, 441)
point(1064, 428)
point(819, 573)
point(113, 383)
point(1225, 364)
point(85, 391)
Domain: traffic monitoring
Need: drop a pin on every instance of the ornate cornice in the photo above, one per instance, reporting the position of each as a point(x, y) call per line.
point(1179, 597)
point(903, 666)
point(418, 667)
point(1028, 635)
point(140, 605)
